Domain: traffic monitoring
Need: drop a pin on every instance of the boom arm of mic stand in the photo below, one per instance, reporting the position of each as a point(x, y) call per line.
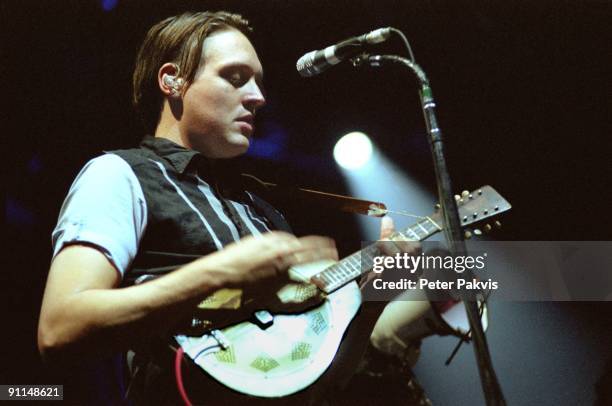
point(452, 229)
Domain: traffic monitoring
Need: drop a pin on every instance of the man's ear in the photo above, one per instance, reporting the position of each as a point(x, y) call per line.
point(169, 81)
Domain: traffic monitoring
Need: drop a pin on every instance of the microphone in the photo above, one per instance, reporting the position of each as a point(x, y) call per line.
point(315, 62)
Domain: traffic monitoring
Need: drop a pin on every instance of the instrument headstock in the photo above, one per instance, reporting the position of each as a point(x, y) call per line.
point(477, 206)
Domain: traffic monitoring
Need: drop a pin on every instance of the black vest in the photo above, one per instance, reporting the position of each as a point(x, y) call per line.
point(175, 233)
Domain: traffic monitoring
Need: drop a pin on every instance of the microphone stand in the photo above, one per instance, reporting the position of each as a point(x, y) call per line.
point(452, 226)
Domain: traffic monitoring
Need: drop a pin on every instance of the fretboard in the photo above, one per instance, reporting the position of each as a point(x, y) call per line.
point(360, 262)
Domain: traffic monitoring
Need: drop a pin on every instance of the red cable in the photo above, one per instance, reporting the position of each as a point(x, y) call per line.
point(179, 376)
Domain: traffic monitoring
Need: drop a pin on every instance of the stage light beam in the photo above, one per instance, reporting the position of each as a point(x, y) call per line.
point(353, 150)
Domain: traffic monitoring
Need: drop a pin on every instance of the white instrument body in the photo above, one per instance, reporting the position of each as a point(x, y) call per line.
point(297, 349)
point(286, 357)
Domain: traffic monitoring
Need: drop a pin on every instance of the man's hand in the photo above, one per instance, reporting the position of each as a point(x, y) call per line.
point(258, 265)
point(266, 258)
point(397, 244)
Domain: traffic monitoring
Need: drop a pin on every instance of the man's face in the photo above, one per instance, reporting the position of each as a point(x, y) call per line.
point(219, 106)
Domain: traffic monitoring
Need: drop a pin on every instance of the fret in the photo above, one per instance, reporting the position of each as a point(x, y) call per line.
point(369, 254)
point(436, 226)
point(355, 262)
point(346, 265)
point(371, 251)
point(366, 265)
point(422, 228)
point(327, 275)
point(336, 269)
point(366, 261)
point(429, 226)
point(339, 274)
point(355, 270)
point(323, 277)
point(365, 253)
point(347, 269)
point(344, 272)
point(331, 274)
point(348, 274)
point(404, 236)
point(415, 235)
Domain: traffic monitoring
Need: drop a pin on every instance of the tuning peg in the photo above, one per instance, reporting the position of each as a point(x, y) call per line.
point(465, 193)
point(477, 231)
point(487, 228)
point(468, 234)
point(497, 224)
point(437, 206)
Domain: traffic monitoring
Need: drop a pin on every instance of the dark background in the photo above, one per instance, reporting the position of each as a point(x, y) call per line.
point(523, 91)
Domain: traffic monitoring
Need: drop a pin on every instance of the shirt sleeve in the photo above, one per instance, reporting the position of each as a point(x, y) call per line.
point(105, 207)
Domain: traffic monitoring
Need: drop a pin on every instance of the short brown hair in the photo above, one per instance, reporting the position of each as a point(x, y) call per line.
point(179, 40)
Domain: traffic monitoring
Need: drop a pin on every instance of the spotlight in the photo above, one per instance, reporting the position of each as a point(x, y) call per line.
point(353, 150)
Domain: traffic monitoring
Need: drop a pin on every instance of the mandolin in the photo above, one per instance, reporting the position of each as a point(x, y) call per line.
point(268, 354)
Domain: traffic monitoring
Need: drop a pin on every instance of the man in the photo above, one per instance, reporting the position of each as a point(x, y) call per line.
point(135, 215)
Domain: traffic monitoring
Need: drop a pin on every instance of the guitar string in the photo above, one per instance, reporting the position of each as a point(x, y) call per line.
point(403, 213)
point(407, 214)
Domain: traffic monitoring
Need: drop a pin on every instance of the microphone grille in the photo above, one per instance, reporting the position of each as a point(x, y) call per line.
point(305, 65)
point(377, 36)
